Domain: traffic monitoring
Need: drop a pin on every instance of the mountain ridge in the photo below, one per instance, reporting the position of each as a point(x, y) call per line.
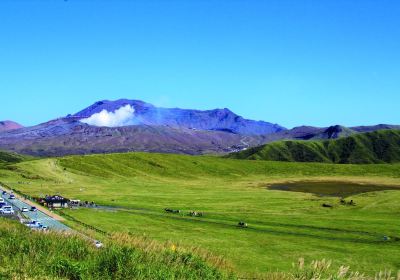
point(382, 146)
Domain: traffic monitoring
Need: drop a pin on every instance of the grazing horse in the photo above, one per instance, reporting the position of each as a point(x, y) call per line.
point(195, 214)
point(327, 205)
point(242, 224)
point(168, 210)
point(351, 203)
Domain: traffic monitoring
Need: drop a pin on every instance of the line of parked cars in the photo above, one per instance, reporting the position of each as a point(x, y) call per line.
point(6, 209)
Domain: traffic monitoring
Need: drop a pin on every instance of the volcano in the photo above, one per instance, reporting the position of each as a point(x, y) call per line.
point(104, 128)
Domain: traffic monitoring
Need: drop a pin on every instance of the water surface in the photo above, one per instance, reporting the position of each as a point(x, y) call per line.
point(330, 188)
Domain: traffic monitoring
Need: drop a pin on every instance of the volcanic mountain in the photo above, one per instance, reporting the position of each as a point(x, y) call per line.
point(218, 119)
point(132, 125)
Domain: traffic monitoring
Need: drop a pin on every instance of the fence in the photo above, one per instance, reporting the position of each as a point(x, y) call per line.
point(83, 224)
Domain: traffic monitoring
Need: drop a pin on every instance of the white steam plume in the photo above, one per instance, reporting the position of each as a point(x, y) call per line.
point(121, 117)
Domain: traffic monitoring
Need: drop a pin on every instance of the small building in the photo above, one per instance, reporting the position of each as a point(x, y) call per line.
point(56, 201)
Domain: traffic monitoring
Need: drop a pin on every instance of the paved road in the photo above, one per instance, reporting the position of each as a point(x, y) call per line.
point(39, 216)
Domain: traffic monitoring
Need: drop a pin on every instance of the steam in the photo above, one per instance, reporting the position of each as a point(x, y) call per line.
point(121, 117)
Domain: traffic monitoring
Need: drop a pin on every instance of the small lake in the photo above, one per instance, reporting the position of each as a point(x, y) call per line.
point(335, 189)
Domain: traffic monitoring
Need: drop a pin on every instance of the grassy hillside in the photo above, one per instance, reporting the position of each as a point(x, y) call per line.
point(374, 147)
point(32, 255)
point(283, 226)
point(7, 157)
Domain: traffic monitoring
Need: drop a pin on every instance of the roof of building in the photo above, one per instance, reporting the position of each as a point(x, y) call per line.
point(55, 198)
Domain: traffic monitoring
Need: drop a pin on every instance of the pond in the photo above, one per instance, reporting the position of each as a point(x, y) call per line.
point(335, 189)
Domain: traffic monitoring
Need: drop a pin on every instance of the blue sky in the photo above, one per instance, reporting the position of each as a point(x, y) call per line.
point(288, 62)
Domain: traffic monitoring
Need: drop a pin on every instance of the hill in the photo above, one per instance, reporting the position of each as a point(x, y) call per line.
point(9, 125)
point(7, 157)
point(324, 133)
point(381, 146)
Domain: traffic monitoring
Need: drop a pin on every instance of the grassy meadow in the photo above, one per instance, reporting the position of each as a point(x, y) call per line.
point(283, 226)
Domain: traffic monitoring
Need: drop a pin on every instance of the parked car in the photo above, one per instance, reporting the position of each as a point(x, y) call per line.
point(34, 224)
point(24, 209)
point(12, 196)
point(33, 209)
point(4, 193)
point(7, 210)
point(2, 204)
point(1, 200)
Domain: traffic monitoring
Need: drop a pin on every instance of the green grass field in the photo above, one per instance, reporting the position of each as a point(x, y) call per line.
point(283, 226)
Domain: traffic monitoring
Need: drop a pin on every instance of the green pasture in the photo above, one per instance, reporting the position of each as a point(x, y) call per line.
point(282, 226)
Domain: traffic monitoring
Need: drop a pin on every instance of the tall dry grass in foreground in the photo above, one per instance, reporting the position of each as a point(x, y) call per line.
point(25, 254)
point(322, 270)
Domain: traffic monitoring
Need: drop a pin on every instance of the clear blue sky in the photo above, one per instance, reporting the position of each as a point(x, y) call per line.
point(290, 62)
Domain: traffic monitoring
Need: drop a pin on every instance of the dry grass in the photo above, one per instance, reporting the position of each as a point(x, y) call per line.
point(322, 270)
point(152, 246)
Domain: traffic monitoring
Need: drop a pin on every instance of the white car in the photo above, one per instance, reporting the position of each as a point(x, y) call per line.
point(7, 210)
point(24, 209)
point(34, 224)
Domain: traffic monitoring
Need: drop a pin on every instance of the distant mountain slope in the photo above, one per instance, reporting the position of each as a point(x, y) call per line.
point(68, 136)
point(217, 119)
point(9, 125)
point(372, 147)
point(320, 133)
point(375, 127)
